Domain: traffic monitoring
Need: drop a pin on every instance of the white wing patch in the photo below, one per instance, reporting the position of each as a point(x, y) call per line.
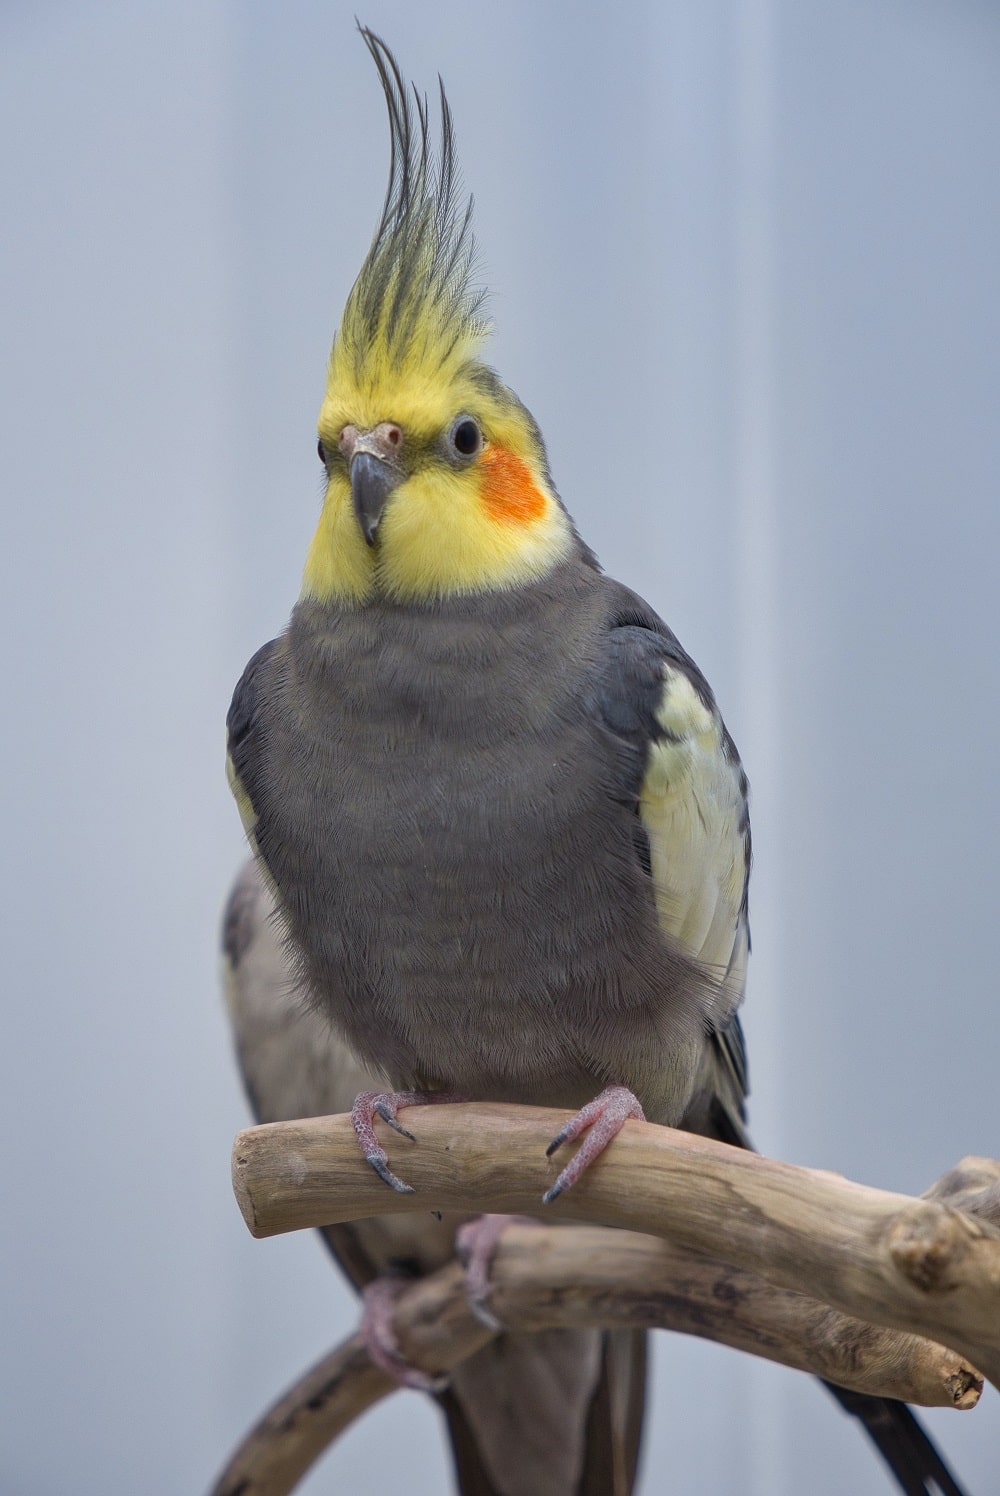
point(692, 809)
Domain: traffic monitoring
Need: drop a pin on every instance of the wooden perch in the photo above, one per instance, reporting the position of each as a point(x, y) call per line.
point(915, 1265)
point(546, 1276)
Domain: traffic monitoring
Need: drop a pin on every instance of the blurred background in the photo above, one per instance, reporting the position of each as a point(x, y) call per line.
point(745, 270)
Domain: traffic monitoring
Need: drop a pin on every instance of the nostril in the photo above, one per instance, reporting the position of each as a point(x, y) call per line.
point(347, 439)
point(393, 436)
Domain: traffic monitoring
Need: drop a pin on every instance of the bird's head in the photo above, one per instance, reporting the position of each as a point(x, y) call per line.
point(436, 475)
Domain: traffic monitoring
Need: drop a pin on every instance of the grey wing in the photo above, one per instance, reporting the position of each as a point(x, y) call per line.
point(680, 768)
point(718, 1106)
point(245, 739)
point(691, 801)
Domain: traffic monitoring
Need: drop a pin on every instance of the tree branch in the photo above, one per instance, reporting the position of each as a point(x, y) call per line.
point(547, 1276)
point(919, 1266)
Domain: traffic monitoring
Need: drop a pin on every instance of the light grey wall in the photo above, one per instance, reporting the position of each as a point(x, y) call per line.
point(746, 273)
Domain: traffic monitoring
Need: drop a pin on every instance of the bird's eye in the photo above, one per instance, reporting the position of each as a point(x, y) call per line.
point(466, 438)
point(322, 451)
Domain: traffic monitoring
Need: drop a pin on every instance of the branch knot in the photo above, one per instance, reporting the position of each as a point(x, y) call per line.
point(928, 1243)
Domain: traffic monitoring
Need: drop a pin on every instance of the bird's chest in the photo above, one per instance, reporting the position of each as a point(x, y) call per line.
point(436, 770)
point(451, 826)
point(442, 806)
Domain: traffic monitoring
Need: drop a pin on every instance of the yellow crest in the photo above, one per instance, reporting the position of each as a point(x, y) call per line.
point(412, 315)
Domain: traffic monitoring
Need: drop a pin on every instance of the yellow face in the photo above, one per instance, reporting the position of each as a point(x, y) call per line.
point(471, 507)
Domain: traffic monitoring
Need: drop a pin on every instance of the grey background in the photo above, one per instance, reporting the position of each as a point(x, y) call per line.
point(745, 272)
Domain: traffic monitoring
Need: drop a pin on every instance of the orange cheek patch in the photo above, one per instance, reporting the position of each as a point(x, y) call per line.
point(508, 491)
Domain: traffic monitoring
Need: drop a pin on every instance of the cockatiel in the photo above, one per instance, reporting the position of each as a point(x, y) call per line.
point(505, 823)
point(503, 820)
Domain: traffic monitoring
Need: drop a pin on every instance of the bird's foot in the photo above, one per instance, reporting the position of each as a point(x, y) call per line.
point(385, 1104)
point(601, 1119)
point(475, 1247)
point(378, 1333)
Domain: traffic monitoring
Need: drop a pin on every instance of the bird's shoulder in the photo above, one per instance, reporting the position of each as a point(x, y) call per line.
point(245, 730)
point(649, 690)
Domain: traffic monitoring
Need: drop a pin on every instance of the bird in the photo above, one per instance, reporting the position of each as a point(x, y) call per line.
point(503, 823)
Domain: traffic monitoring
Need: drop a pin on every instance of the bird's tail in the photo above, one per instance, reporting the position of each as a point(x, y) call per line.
point(892, 1426)
point(902, 1441)
point(586, 1393)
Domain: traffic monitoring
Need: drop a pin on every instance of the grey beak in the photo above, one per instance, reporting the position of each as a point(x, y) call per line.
point(372, 481)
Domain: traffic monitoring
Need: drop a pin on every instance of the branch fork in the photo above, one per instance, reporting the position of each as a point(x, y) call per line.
point(882, 1293)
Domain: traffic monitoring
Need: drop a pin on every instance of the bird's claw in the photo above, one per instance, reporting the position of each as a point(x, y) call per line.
point(602, 1120)
point(475, 1246)
point(387, 1115)
point(378, 1333)
point(385, 1104)
point(380, 1163)
point(476, 1243)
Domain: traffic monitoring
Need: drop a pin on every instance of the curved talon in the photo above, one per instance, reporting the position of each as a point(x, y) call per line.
point(394, 1123)
point(385, 1104)
point(381, 1167)
point(484, 1314)
point(562, 1183)
point(475, 1246)
point(602, 1120)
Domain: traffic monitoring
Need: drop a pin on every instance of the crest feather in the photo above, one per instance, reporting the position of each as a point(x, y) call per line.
point(413, 310)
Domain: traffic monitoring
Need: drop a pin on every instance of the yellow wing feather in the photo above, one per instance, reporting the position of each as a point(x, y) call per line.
point(693, 811)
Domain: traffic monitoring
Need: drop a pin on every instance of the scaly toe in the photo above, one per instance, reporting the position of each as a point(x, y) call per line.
point(601, 1120)
point(385, 1104)
point(476, 1244)
point(377, 1331)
